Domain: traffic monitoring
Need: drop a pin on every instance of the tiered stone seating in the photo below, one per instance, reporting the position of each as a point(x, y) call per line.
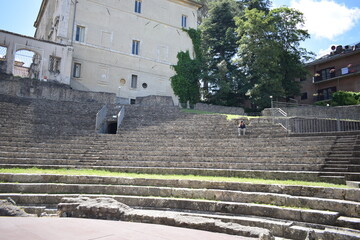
point(156, 140)
point(289, 212)
point(38, 117)
point(48, 134)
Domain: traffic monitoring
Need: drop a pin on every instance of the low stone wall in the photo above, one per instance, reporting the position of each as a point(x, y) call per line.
point(219, 109)
point(155, 100)
point(343, 112)
point(31, 88)
point(110, 209)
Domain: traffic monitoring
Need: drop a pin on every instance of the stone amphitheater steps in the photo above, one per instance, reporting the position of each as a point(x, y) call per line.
point(153, 136)
point(343, 160)
point(327, 211)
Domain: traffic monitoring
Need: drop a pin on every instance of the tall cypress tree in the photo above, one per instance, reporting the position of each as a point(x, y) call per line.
point(219, 41)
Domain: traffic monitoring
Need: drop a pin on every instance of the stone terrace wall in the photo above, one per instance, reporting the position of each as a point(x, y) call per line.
point(343, 112)
point(219, 109)
point(154, 100)
point(31, 88)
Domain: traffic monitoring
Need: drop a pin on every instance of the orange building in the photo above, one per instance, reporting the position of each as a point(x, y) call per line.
point(337, 71)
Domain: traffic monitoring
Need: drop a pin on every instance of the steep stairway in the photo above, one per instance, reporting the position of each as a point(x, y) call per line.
point(343, 160)
point(287, 211)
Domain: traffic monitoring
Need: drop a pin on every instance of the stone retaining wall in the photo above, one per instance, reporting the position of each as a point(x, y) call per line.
point(154, 100)
point(343, 112)
point(31, 88)
point(219, 109)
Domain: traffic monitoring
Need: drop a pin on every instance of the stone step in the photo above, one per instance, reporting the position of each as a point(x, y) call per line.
point(265, 165)
point(348, 222)
point(118, 142)
point(342, 167)
point(345, 208)
point(169, 154)
point(235, 208)
point(353, 184)
point(312, 176)
point(111, 149)
point(186, 158)
point(110, 137)
point(293, 190)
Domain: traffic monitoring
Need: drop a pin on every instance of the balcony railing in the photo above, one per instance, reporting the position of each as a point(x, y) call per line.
point(337, 73)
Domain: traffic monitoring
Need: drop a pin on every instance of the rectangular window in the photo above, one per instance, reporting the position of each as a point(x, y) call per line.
point(77, 70)
point(138, 6)
point(326, 93)
point(134, 81)
point(80, 34)
point(54, 64)
point(135, 47)
point(324, 74)
point(184, 21)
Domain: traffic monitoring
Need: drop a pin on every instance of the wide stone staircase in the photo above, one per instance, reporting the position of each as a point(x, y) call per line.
point(164, 140)
point(289, 212)
point(343, 159)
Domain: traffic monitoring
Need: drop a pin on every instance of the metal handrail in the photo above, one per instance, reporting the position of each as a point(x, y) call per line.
point(120, 117)
point(100, 120)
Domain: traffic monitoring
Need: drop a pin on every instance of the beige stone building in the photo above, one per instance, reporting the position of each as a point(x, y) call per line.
point(125, 47)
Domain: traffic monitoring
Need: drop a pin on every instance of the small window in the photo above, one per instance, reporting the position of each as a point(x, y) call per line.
point(144, 85)
point(77, 70)
point(138, 6)
point(134, 81)
point(184, 21)
point(304, 96)
point(135, 47)
point(54, 64)
point(80, 34)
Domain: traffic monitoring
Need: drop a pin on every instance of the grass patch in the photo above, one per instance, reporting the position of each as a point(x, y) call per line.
point(196, 111)
point(228, 116)
point(92, 172)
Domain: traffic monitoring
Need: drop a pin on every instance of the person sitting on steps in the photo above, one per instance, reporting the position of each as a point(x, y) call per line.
point(241, 128)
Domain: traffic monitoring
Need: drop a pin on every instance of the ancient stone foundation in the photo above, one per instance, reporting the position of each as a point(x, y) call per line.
point(110, 209)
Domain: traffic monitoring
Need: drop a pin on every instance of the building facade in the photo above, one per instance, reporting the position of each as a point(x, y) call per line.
point(49, 61)
point(337, 71)
point(122, 47)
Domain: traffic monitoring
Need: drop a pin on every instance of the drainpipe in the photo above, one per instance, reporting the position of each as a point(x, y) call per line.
point(73, 28)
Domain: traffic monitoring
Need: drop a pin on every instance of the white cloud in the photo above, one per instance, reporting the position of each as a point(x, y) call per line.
point(326, 18)
point(323, 52)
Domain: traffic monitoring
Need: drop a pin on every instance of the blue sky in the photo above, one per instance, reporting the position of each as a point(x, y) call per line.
point(330, 22)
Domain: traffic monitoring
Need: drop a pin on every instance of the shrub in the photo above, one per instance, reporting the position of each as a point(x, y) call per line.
point(342, 98)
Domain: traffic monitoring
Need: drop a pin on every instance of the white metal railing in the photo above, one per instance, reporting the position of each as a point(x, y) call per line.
point(307, 125)
point(120, 117)
point(312, 124)
point(283, 120)
point(100, 120)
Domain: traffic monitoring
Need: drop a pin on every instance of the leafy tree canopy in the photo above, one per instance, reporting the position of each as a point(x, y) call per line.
point(269, 52)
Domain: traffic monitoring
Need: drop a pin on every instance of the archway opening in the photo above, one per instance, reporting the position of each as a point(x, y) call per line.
point(3, 51)
point(112, 128)
point(27, 64)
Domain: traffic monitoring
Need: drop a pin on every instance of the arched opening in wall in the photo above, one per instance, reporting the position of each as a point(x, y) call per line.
point(27, 64)
point(112, 128)
point(3, 51)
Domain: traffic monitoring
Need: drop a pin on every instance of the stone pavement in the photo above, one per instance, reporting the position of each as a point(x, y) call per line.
point(29, 228)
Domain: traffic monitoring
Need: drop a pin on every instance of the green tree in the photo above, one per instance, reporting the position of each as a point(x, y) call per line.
point(269, 53)
point(185, 83)
point(219, 41)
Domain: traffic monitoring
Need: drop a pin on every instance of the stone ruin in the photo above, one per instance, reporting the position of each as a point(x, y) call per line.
point(110, 209)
